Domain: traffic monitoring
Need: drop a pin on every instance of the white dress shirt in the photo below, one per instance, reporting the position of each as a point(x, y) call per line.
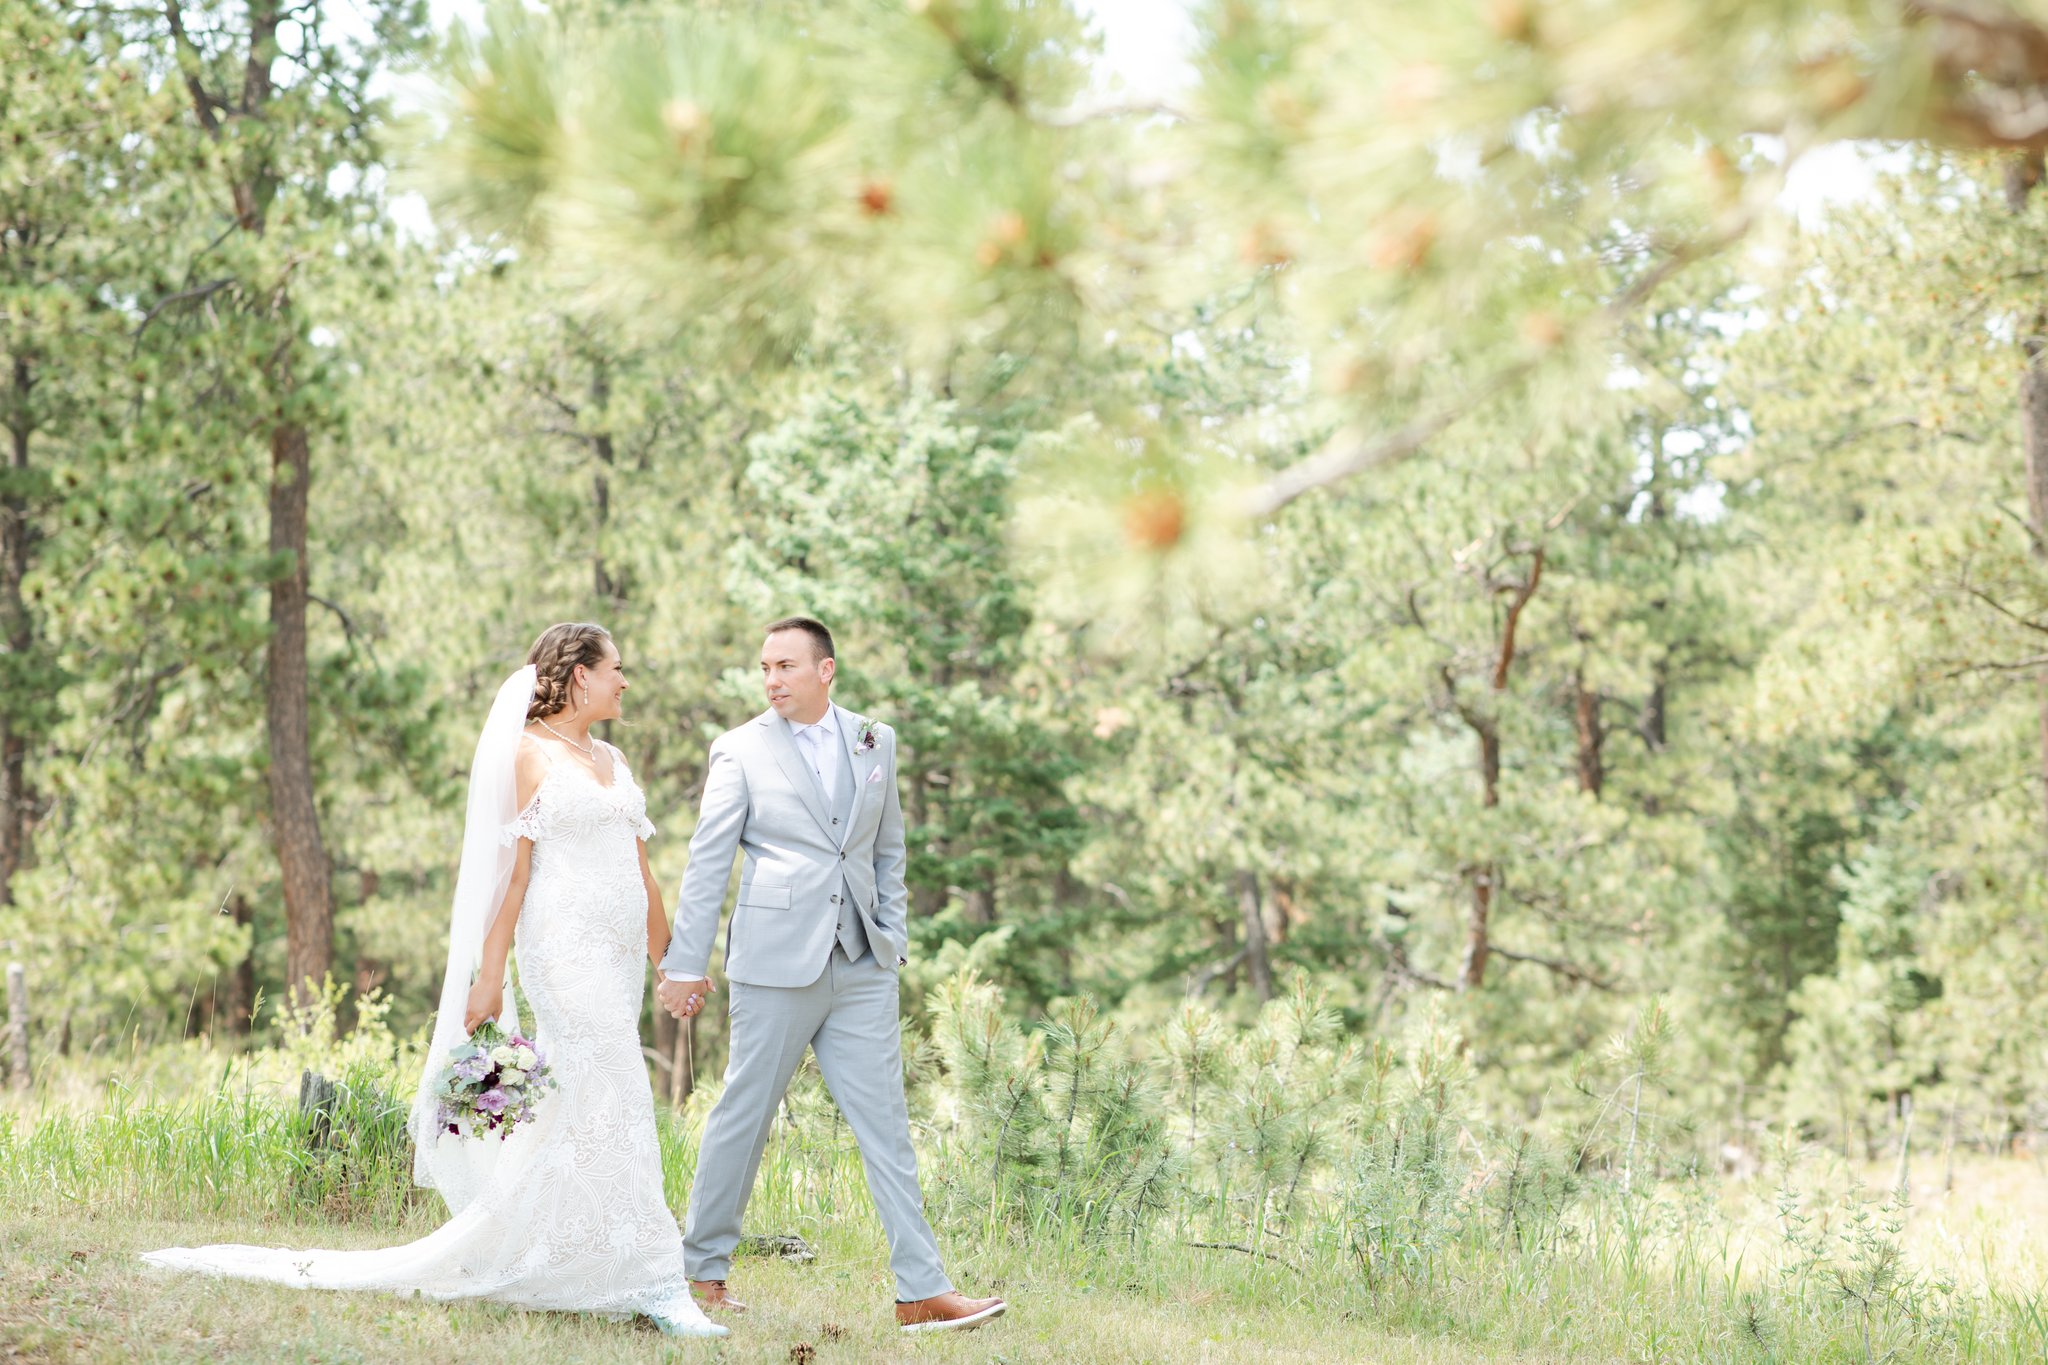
point(819, 744)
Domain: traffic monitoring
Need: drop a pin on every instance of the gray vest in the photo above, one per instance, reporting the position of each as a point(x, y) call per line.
point(853, 938)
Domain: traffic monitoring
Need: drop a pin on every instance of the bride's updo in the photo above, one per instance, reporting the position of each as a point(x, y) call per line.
point(554, 657)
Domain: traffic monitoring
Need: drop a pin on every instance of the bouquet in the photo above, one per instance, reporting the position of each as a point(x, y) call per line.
point(490, 1083)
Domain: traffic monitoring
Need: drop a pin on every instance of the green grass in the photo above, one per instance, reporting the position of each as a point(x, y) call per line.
point(1692, 1272)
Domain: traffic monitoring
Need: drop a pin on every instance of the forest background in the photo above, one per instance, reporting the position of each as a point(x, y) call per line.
point(1409, 517)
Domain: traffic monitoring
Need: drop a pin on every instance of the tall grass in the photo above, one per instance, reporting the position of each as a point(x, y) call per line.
point(1283, 1164)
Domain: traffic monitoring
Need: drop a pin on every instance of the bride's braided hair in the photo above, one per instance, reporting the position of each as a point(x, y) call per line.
point(554, 657)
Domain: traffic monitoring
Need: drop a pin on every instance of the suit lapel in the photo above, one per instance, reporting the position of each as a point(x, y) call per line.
point(795, 769)
point(857, 767)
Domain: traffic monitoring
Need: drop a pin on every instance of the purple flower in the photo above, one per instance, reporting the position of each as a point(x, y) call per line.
point(473, 1068)
point(864, 741)
point(492, 1101)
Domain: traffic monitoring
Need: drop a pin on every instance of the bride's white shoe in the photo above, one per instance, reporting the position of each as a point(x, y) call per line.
point(671, 1328)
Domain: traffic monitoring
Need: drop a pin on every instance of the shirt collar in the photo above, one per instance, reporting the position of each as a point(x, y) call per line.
point(822, 726)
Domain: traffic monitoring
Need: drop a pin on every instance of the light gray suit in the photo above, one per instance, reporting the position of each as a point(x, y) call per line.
point(811, 954)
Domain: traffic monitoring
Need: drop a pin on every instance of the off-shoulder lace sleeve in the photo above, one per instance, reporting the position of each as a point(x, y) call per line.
point(527, 826)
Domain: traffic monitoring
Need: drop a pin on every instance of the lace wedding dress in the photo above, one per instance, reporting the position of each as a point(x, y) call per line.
point(571, 1215)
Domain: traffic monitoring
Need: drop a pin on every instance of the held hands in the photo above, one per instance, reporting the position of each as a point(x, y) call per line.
point(683, 999)
point(486, 1001)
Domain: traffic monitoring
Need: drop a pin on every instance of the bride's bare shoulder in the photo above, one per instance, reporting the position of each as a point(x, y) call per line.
point(531, 765)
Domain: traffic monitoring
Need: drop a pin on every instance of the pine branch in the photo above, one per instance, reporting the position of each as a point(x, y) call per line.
point(1569, 970)
point(204, 291)
point(1341, 460)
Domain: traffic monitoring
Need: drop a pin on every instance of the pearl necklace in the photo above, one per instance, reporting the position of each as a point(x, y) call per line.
point(587, 750)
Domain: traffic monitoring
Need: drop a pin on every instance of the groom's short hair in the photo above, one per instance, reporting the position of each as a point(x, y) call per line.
point(820, 636)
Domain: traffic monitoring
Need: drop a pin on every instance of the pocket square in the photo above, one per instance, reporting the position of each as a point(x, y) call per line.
point(875, 776)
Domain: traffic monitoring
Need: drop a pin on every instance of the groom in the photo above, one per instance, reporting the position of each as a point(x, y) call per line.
point(808, 790)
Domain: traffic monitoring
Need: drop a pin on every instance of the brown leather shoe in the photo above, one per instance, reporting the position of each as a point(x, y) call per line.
point(712, 1295)
point(946, 1312)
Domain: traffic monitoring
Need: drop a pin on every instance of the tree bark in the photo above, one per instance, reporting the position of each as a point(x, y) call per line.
point(601, 481)
point(252, 182)
point(1258, 962)
point(14, 623)
point(925, 901)
point(294, 814)
point(1282, 910)
point(675, 1045)
point(17, 1026)
point(2022, 174)
point(1586, 721)
point(1482, 878)
point(1656, 712)
point(1478, 930)
point(232, 1014)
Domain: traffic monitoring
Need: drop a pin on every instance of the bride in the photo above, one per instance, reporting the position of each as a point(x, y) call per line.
point(567, 1212)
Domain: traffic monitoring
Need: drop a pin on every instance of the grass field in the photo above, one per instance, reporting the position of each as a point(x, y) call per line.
point(75, 1292)
point(1696, 1270)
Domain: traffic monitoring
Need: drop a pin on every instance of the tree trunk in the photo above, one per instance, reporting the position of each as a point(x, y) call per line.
point(2034, 448)
point(1586, 715)
point(1258, 963)
point(601, 481)
point(17, 1026)
point(1489, 763)
point(979, 907)
point(925, 901)
point(1478, 929)
point(1479, 912)
point(1485, 723)
point(14, 624)
point(1656, 715)
point(252, 183)
point(2022, 175)
point(1282, 910)
point(294, 815)
point(232, 1013)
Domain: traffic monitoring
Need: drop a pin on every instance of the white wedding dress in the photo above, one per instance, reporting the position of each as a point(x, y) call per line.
point(571, 1215)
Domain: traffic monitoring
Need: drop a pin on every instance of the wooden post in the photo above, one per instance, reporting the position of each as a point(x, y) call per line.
point(17, 1024)
point(682, 1071)
point(1903, 1182)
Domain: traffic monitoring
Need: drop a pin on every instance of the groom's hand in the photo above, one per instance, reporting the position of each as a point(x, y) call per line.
point(683, 999)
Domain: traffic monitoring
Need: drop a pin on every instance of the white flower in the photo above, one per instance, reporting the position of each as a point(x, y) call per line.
point(511, 1075)
point(503, 1055)
point(524, 1058)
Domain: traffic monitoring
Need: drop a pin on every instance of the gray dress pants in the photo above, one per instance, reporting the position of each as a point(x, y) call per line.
point(850, 1018)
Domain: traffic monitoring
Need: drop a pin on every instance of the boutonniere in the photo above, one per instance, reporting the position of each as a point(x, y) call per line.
point(864, 739)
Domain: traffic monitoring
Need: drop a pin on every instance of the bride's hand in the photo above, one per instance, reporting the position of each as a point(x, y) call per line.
point(486, 1001)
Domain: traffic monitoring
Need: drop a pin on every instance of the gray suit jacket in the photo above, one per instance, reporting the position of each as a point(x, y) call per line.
point(759, 797)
